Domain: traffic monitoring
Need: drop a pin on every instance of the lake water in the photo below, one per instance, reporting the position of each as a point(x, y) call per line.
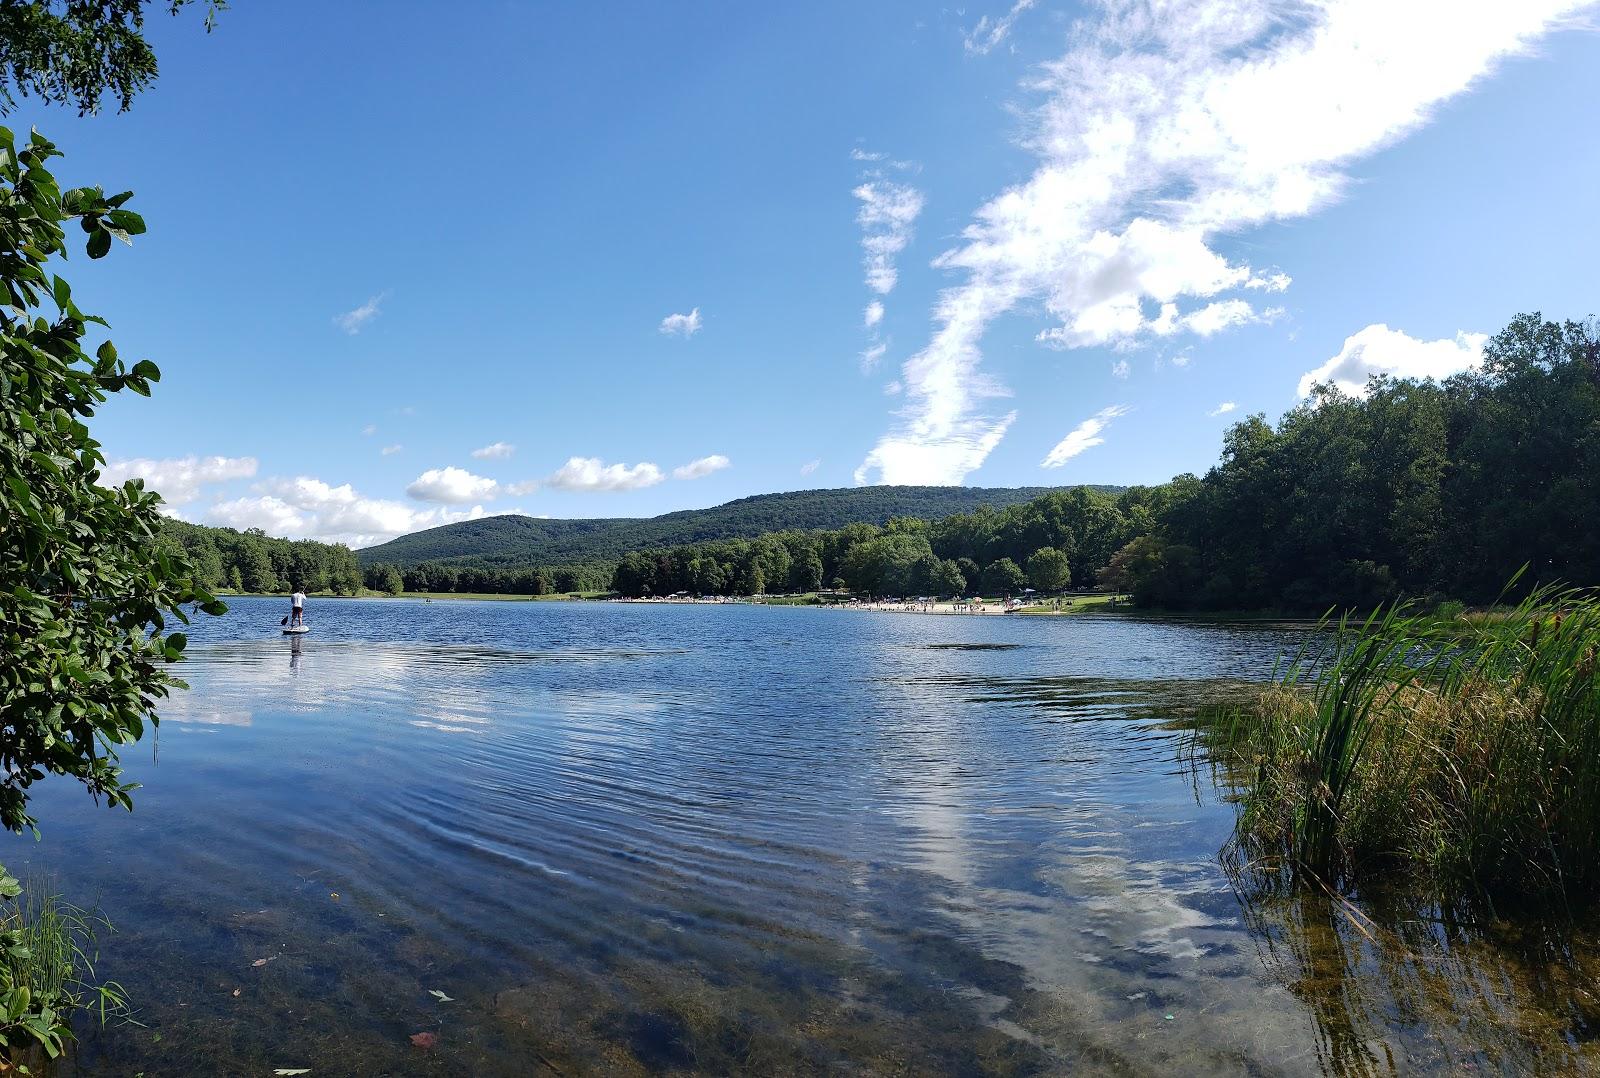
point(670, 839)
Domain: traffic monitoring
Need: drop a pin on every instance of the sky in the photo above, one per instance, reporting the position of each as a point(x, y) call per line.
point(407, 266)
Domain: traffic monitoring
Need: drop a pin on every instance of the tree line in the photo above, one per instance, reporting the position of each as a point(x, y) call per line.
point(1050, 544)
point(253, 561)
point(1416, 488)
point(1413, 488)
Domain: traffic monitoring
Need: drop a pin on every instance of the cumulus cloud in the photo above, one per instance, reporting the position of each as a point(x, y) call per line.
point(178, 479)
point(872, 315)
point(810, 466)
point(1160, 130)
point(870, 357)
point(590, 474)
point(1381, 350)
point(888, 212)
point(391, 450)
point(697, 469)
point(495, 451)
point(452, 486)
point(308, 508)
point(681, 325)
point(991, 32)
point(353, 322)
point(1085, 435)
point(1222, 409)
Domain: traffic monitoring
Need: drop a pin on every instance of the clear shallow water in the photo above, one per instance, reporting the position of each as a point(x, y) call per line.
point(645, 839)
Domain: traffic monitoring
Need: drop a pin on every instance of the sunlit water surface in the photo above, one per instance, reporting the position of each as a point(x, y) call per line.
point(645, 839)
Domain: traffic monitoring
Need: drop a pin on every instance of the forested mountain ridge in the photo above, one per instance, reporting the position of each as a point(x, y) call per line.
point(505, 542)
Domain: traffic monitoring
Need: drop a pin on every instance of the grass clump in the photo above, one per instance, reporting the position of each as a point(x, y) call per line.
point(47, 955)
point(1468, 752)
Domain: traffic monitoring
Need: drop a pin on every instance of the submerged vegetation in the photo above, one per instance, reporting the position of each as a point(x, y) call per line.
point(1466, 752)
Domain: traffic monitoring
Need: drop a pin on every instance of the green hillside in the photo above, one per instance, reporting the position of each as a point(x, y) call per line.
point(514, 541)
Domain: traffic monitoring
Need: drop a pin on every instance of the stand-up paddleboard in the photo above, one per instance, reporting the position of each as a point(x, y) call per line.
point(296, 630)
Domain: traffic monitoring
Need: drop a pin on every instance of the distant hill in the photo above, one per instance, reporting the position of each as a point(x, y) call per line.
point(514, 541)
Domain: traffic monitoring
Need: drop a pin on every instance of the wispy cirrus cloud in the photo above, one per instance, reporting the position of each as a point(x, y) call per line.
point(1085, 435)
point(591, 474)
point(810, 466)
point(1161, 129)
point(887, 214)
point(1377, 349)
point(391, 450)
point(698, 469)
point(989, 33)
point(681, 325)
point(353, 322)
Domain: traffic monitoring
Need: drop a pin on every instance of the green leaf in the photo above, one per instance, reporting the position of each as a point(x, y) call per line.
point(99, 244)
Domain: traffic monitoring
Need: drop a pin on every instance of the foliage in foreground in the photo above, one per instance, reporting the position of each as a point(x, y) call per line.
point(87, 589)
point(1467, 752)
point(47, 970)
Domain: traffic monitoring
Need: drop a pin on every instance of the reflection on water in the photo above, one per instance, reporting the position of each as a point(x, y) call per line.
point(635, 839)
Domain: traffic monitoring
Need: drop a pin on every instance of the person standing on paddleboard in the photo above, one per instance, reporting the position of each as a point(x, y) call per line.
point(297, 603)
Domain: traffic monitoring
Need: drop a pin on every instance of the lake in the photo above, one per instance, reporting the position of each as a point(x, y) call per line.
point(670, 839)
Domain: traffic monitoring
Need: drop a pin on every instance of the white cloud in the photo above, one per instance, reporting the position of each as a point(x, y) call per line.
point(452, 486)
point(177, 479)
point(593, 474)
point(1222, 409)
point(1161, 129)
point(370, 429)
point(810, 466)
point(697, 469)
point(1085, 435)
point(682, 325)
point(495, 451)
point(391, 450)
point(1381, 350)
point(872, 315)
point(991, 32)
point(1120, 369)
point(1182, 359)
point(888, 212)
point(353, 322)
point(870, 357)
point(308, 508)
point(858, 154)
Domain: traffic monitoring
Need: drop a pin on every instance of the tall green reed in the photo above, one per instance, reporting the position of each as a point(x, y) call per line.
point(1465, 748)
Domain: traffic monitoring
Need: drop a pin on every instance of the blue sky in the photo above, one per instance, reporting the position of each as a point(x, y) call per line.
point(382, 239)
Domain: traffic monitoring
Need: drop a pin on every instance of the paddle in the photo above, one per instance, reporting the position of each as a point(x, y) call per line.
point(285, 620)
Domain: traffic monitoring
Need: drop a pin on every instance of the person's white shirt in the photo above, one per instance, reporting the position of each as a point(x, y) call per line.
point(298, 599)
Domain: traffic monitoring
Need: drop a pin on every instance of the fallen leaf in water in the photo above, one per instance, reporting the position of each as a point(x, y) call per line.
point(424, 1040)
point(440, 996)
point(286, 1071)
point(236, 992)
point(262, 961)
point(334, 895)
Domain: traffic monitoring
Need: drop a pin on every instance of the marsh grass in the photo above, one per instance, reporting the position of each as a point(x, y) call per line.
point(47, 973)
point(1465, 751)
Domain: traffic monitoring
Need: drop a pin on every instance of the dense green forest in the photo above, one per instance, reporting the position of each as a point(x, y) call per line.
point(1050, 543)
point(519, 542)
point(255, 562)
point(1416, 488)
